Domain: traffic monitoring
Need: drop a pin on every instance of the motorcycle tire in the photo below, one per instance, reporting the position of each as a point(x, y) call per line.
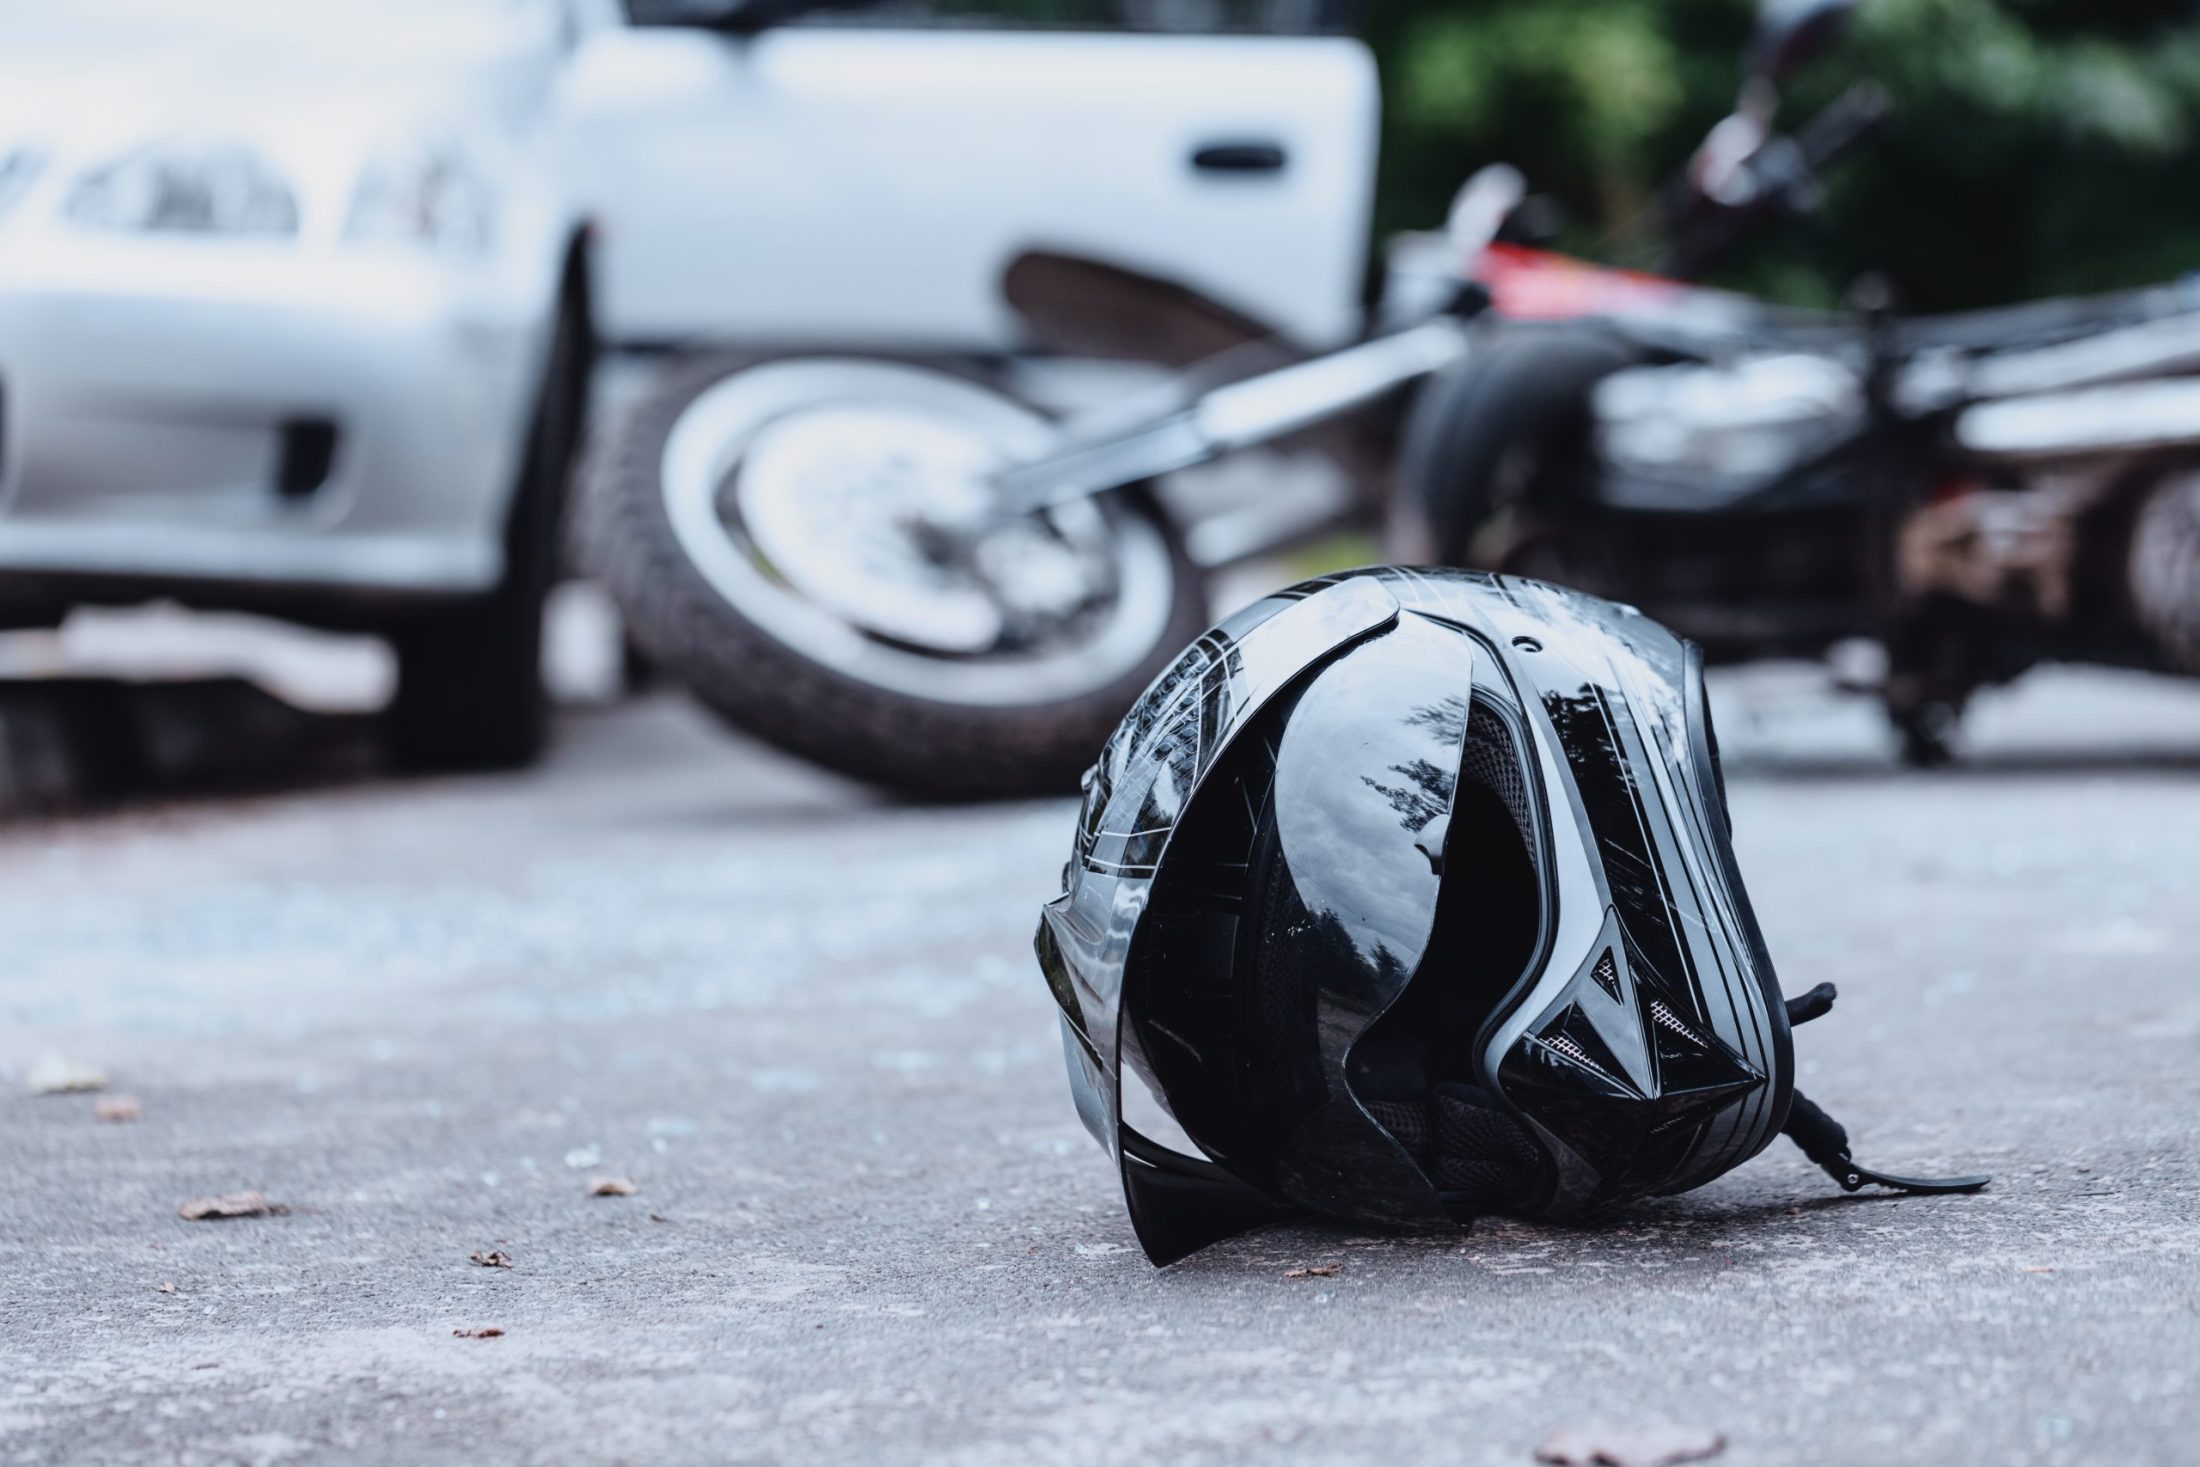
point(1500, 427)
point(737, 631)
point(2164, 568)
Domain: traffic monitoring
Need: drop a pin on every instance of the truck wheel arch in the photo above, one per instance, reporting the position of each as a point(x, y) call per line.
point(1082, 306)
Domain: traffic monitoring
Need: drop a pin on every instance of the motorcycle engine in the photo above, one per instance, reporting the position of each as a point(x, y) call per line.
point(1696, 435)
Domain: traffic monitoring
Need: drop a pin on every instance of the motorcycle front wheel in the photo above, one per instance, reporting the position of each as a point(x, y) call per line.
point(806, 542)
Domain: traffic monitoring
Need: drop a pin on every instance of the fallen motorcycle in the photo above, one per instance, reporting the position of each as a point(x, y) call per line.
point(909, 575)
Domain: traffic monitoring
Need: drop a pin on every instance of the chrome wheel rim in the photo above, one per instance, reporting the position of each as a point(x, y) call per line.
point(815, 495)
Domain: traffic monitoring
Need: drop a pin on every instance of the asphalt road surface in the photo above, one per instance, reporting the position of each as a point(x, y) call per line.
point(423, 1016)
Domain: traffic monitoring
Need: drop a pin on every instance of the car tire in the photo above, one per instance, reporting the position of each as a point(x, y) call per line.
point(470, 693)
point(752, 677)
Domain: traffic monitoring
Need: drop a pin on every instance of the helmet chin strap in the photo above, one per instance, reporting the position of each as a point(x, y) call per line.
point(1825, 1141)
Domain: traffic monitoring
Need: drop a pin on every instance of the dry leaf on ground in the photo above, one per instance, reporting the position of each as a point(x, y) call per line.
point(610, 1187)
point(1629, 1446)
point(491, 1258)
point(230, 1204)
point(116, 1109)
point(486, 1332)
point(1313, 1271)
point(56, 1074)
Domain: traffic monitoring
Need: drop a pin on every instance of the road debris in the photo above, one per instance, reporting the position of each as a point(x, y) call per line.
point(491, 1258)
point(610, 1187)
point(57, 1074)
point(165, 1286)
point(1629, 1446)
point(117, 1109)
point(230, 1204)
point(1313, 1271)
point(485, 1332)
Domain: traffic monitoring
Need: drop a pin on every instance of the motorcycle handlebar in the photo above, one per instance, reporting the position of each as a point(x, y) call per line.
point(1846, 121)
point(1783, 180)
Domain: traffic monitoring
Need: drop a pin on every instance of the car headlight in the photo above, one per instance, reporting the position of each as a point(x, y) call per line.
point(431, 196)
point(17, 168)
point(187, 187)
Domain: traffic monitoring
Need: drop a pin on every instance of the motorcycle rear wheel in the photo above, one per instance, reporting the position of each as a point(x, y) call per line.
point(742, 514)
point(1500, 428)
point(2163, 572)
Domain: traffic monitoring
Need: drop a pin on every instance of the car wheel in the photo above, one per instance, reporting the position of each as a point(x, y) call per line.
point(469, 682)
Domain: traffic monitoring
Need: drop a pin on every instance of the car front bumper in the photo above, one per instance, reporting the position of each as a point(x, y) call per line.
point(196, 415)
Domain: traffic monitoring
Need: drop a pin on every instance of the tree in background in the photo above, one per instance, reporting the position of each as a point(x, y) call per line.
point(2039, 146)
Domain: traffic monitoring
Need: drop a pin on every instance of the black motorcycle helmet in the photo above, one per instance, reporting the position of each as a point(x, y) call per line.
point(1407, 896)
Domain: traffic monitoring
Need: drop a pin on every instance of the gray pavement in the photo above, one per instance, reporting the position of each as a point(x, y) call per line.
point(868, 1228)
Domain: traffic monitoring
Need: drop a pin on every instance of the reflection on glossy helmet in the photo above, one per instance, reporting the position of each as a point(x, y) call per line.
point(1407, 896)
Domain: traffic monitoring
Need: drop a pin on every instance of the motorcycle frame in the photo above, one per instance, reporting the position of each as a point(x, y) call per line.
point(1244, 414)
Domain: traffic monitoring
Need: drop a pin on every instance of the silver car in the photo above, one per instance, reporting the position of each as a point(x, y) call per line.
point(294, 318)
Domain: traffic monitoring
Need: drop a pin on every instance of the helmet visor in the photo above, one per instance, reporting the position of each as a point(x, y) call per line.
point(1294, 913)
point(1185, 726)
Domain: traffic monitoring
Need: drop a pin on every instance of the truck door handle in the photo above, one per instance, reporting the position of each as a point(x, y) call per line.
point(1240, 156)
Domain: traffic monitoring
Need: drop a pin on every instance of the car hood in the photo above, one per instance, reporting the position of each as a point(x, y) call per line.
point(112, 73)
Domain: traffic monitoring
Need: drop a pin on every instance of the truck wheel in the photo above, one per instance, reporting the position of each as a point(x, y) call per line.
point(806, 543)
point(469, 682)
point(1499, 427)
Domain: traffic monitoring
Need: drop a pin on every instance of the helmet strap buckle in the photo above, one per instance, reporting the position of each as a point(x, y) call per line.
point(1825, 1141)
point(1852, 1177)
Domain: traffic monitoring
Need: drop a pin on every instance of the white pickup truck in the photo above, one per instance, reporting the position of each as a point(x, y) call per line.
point(871, 184)
point(852, 240)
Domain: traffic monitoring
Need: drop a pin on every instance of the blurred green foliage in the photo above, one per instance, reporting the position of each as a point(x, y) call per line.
point(2038, 146)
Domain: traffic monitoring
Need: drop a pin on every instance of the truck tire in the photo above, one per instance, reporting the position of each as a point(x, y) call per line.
point(673, 538)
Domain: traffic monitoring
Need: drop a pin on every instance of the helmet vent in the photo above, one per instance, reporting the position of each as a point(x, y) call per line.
point(1491, 760)
point(1572, 1051)
point(1606, 973)
point(1664, 1017)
